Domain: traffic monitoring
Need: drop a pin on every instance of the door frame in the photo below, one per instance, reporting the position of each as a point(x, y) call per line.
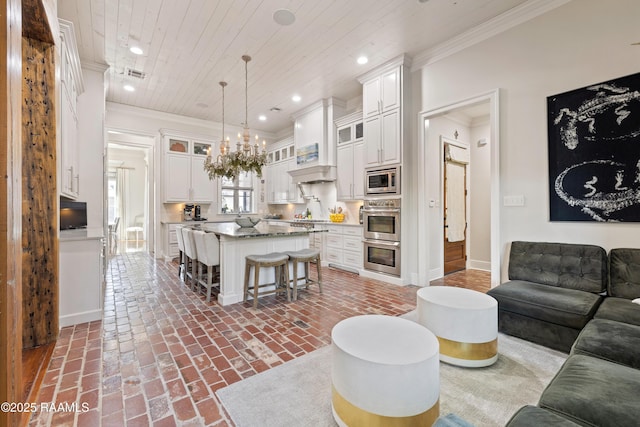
point(149, 144)
point(427, 213)
point(448, 141)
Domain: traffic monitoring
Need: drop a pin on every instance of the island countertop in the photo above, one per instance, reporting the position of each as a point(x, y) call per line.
point(231, 229)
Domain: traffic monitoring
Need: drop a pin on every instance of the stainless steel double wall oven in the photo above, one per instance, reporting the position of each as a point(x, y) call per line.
point(381, 222)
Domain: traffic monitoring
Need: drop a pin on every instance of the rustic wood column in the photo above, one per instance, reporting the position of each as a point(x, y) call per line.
point(39, 195)
point(10, 209)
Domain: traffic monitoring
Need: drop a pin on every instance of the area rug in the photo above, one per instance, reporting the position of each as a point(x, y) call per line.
point(298, 393)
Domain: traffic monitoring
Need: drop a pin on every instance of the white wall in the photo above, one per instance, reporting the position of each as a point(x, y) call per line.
point(480, 196)
point(578, 44)
point(91, 107)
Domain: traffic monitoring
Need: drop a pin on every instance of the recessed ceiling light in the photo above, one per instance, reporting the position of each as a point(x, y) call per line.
point(363, 60)
point(136, 50)
point(284, 17)
point(262, 118)
point(129, 88)
point(296, 98)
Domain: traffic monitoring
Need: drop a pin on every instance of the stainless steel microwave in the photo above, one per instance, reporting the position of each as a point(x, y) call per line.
point(382, 181)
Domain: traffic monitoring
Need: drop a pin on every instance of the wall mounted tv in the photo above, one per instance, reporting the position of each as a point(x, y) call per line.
point(73, 215)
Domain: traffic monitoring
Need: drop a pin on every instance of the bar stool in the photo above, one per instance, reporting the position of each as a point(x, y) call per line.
point(278, 260)
point(305, 256)
point(180, 239)
point(208, 248)
point(191, 258)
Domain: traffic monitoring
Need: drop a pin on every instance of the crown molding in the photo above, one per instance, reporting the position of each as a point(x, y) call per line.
point(509, 19)
point(116, 107)
point(402, 59)
point(94, 66)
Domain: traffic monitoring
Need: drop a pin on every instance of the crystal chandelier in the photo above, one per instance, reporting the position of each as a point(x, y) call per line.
point(246, 158)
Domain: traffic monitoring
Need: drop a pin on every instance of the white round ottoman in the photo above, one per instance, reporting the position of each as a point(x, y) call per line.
point(465, 322)
point(385, 371)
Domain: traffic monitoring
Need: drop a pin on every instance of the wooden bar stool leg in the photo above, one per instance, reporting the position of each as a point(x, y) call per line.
point(209, 281)
point(256, 285)
point(319, 274)
point(295, 279)
point(306, 274)
point(286, 279)
point(247, 271)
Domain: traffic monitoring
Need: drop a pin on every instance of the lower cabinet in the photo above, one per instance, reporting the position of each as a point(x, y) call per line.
point(170, 241)
point(81, 280)
point(343, 246)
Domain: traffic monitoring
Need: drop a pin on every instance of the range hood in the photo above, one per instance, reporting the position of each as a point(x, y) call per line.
point(314, 174)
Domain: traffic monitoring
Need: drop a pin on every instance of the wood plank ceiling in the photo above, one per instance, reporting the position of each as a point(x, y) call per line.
point(191, 45)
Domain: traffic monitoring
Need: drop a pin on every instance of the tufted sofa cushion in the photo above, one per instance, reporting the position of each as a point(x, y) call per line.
point(559, 306)
point(610, 340)
point(594, 392)
point(565, 265)
point(625, 273)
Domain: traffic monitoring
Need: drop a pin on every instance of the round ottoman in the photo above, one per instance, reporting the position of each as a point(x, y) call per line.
point(465, 322)
point(385, 371)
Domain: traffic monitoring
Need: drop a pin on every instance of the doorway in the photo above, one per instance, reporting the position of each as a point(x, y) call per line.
point(129, 193)
point(474, 121)
point(455, 161)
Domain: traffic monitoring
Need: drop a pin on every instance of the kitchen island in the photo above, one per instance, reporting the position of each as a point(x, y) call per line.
point(236, 243)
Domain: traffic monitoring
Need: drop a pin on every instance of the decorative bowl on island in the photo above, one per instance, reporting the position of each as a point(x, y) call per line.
point(246, 221)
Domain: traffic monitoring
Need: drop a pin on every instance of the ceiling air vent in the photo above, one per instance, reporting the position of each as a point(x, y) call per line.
point(136, 74)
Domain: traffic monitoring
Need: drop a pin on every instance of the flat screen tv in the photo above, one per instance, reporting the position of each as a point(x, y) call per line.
point(73, 215)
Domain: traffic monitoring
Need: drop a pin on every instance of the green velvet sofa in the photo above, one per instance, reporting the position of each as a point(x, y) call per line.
point(554, 289)
point(599, 383)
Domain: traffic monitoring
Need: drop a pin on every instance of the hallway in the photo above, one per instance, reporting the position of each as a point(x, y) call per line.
point(161, 352)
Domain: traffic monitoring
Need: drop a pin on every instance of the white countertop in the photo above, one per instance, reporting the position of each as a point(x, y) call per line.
point(81, 234)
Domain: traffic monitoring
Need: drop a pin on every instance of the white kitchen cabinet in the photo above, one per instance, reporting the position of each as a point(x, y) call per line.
point(382, 93)
point(81, 278)
point(170, 241)
point(383, 139)
point(350, 166)
point(71, 87)
point(350, 157)
point(343, 246)
point(281, 187)
point(183, 175)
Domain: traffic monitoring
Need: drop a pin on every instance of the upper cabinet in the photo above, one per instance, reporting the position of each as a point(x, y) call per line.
point(71, 86)
point(281, 188)
point(384, 94)
point(183, 176)
point(350, 157)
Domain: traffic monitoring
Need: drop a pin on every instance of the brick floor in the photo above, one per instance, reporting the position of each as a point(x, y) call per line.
point(161, 352)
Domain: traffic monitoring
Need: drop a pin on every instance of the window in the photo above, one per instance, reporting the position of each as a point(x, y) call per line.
point(237, 195)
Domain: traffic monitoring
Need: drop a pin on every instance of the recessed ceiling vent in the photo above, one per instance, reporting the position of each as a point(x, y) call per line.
point(136, 74)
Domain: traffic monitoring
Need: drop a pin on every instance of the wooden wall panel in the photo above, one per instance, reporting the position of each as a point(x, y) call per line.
point(10, 208)
point(39, 196)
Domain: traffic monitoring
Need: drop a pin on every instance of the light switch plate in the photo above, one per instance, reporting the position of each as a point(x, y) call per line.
point(513, 201)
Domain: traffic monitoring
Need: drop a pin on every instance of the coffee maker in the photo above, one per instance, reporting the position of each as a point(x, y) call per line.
point(187, 214)
point(197, 216)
